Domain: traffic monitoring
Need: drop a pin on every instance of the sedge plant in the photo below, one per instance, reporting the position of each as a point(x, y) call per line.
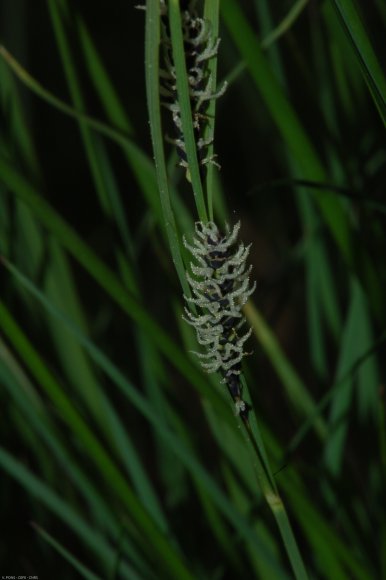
point(120, 455)
point(223, 286)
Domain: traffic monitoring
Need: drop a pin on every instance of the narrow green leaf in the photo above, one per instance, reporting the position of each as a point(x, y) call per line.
point(285, 24)
point(180, 450)
point(141, 166)
point(296, 390)
point(103, 275)
point(23, 75)
point(368, 61)
point(111, 474)
point(211, 14)
point(352, 347)
point(78, 100)
point(83, 571)
point(11, 104)
point(152, 40)
point(287, 122)
point(101, 80)
point(63, 510)
point(35, 416)
point(184, 103)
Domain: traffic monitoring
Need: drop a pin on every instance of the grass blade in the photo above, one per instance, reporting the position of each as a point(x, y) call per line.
point(61, 509)
point(184, 103)
point(104, 276)
point(95, 450)
point(296, 390)
point(356, 331)
point(83, 571)
point(170, 438)
point(287, 122)
point(32, 84)
point(368, 61)
point(152, 41)
point(211, 14)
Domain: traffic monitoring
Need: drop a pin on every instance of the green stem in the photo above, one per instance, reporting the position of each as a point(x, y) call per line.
point(274, 501)
point(211, 14)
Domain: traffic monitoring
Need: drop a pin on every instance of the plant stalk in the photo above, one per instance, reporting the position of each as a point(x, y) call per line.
point(275, 503)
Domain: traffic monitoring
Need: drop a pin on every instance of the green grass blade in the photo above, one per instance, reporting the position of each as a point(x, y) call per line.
point(118, 136)
point(266, 27)
point(353, 345)
point(211, 14)
point(152, 39)
point(74, 86)
point(76, 367)
point(11, 104)
point(322, 302)
point(318, 353)
point(287, 122)
point(296, 390)
point(95, 450)
point(184, 103)
point(101, 80)
point(350, 375)
point(105, 277)
point(59, 286)
point(272, 497)
point(34, 414)
point(82, 570)
point(285, 24)
point(269, 490)
point(141, 166)
point(117, 207)
point(327, 542)
point(180, 450)
point(368, 61)
point(329, 551)
point(290, 544)
point(62, 509)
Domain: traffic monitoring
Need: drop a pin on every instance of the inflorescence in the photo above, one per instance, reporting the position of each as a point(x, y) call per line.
point(220, 279)
point(199, 48)
point(221, 286)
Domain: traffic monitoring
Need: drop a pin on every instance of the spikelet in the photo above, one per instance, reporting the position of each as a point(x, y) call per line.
point(199, 48)
point(221, 286)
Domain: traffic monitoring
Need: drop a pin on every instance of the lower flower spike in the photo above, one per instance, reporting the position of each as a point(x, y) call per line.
point(220, 287)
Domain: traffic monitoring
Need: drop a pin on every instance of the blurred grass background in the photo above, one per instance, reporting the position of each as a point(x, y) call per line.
point(119, 457)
